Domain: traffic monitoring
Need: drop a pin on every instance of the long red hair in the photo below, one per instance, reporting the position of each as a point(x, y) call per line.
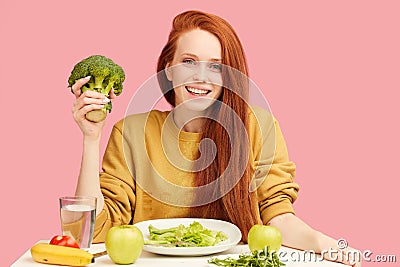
point(236, 204)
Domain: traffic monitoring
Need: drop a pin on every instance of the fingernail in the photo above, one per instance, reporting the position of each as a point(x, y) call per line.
point(87, 77)
point(106, 100)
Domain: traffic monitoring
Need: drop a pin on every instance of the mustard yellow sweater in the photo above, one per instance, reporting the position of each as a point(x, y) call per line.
point(146, 170)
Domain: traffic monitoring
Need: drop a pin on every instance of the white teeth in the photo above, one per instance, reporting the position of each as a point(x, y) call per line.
point(197, 91)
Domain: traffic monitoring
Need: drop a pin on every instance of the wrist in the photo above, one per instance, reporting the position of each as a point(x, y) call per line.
point(87, 139)
point(325, 243)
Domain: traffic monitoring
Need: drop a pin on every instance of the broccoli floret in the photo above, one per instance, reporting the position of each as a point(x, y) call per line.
point(105, 75)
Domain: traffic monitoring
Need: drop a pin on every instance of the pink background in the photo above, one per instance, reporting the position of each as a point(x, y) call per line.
point(329, 69)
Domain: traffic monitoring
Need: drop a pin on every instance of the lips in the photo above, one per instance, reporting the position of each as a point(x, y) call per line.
point(197, 91)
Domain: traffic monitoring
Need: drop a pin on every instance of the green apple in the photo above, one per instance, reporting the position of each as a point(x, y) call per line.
point(264, 235)
point(124, 244)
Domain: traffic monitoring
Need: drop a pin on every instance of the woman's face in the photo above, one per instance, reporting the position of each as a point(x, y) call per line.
point(195, 71)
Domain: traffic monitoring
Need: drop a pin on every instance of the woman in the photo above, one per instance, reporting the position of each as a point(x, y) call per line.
point(156, 164)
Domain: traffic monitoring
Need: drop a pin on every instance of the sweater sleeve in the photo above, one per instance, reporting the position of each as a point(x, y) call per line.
point(117, 185)
point(274, 172)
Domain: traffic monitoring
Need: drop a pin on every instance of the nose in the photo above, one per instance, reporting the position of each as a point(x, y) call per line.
point(201, 72)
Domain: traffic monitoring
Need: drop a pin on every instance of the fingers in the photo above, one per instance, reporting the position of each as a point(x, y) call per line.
point(90, 98)
point(352, 257)
point(76, 87)
point(80, 115)
point(88, 101)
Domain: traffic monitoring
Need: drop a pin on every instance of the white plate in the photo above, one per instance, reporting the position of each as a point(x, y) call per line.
point(232, 231)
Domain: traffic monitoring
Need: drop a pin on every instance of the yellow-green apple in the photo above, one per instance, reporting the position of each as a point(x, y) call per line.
point(264, 235)
point(124, 244)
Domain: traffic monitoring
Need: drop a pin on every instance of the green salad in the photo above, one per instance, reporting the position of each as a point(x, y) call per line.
point(258, 258)
point(194, 235)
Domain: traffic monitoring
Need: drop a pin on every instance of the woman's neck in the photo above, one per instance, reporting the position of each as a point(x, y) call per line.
point(189, 121)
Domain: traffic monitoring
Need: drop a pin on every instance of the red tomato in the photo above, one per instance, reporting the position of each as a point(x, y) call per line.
point(64, 240)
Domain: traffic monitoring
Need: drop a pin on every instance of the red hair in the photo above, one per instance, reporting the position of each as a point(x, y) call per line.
point(238, 205)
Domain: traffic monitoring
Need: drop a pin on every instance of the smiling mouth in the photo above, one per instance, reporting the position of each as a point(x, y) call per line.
point(197, 91)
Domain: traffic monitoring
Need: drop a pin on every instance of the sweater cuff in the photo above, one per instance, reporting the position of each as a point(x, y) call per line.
point(281, 207)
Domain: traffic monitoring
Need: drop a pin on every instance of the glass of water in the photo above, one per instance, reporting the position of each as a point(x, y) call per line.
point(78, 215)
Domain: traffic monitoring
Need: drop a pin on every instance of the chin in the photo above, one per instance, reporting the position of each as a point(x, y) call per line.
point(198, 105)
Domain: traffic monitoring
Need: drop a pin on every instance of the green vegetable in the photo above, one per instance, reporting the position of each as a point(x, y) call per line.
point(104, 75)
point(194, 235)
point(259, 258)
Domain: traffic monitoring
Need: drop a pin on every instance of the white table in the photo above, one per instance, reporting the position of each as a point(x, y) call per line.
point(289, 256)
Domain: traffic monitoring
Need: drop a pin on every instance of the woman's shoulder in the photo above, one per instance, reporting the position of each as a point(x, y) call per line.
point(260, 115)
point(152, 117)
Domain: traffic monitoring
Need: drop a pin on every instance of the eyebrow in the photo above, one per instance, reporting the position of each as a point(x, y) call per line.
point(195, 56)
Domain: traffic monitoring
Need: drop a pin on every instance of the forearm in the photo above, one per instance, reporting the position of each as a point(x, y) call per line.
point(297, 234)
point(88, 181)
